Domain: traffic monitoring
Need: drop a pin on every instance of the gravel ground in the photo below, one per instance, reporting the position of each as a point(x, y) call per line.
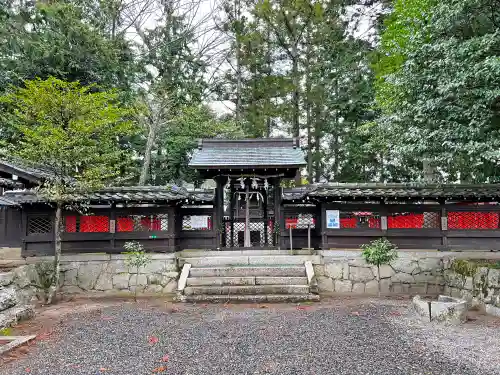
point(361, 337)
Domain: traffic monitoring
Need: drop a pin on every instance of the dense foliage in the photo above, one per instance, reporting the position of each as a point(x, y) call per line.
point(440, 86)
point(421, 84)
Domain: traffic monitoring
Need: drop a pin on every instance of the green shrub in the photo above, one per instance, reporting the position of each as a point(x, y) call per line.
point(378, 253)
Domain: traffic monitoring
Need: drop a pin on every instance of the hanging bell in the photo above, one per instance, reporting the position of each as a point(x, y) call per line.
point(242, 182)
point(266, 184)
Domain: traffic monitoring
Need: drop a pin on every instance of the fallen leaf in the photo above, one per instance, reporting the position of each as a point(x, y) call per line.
point(104, 317)
point(160, 369)
point(153, 340)
point(355, 313)
point(263, 306)
point(165, 358)
point(28, 369)
point(395, 313)
point(302, 307)
point(103, 369)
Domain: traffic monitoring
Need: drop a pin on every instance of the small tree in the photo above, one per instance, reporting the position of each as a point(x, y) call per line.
point(73, 131)
point(379, 252)
point(137, 258)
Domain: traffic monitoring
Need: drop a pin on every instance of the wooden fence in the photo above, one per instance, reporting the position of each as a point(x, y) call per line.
point(172, 228)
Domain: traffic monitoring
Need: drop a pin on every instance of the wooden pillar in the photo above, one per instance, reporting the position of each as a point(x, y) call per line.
point(247, 217)
point(264, 207)
point(171, 210)
point(112, 224)
point(383, 219)
point(277, 209)
point(232, 204)
point(218, 210)
point(178, 226)
point(324, 237)
point(444, 227)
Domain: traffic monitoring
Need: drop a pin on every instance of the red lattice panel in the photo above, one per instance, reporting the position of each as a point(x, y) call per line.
point(86, 224)
point(142, 223)
point(359, 220)
point(407, 220)
point(472, 220)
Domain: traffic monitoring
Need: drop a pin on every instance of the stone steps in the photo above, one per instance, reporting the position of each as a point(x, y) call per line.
point(259, 298)
point(246, 280)
point(247, 289)
point(251, 276)
point(256, 260)
point(241, 271)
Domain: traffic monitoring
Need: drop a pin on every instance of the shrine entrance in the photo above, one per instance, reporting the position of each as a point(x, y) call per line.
point(249, 213)
point(248, 175)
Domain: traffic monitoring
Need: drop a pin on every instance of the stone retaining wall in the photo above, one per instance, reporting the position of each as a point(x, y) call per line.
point(482, 289)
point(109, 273)
point(410, 274)
point(16, 295)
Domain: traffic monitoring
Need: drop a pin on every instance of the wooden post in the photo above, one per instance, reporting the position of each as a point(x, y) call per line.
point(218, 210)
point(291, 244)
point(264, 208)
point(171, 227)
point(247, 217)
point(112, 224)
point(444, 227)
point(324, 237)
point(277, 210)
point(232, 204)
point(308, 236)
point(383, 219)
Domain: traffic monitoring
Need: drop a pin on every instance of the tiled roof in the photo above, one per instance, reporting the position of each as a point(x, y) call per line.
point(118, 194)
point(23, 167)
point(395, 190)
point(9, 183)
point(6, 202)
point(246, 153)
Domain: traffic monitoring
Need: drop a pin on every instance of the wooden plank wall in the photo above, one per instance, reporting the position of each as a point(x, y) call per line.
point(10, 227)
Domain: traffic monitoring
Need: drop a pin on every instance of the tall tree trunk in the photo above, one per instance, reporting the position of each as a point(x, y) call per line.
point(239, 79)
point(52, 292)
point(296, 102)
point(147, 155)
point(307, 98)
point(317, 141)
point(309, 146)
point(296, 93)
point(268, 73)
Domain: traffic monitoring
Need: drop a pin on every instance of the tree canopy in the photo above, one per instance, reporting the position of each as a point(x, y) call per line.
point(370, 97)
point(71, 130)
point(441, 96)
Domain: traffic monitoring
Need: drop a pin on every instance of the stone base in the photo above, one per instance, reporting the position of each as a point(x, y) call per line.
point(445, 309)
point(492, 310)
